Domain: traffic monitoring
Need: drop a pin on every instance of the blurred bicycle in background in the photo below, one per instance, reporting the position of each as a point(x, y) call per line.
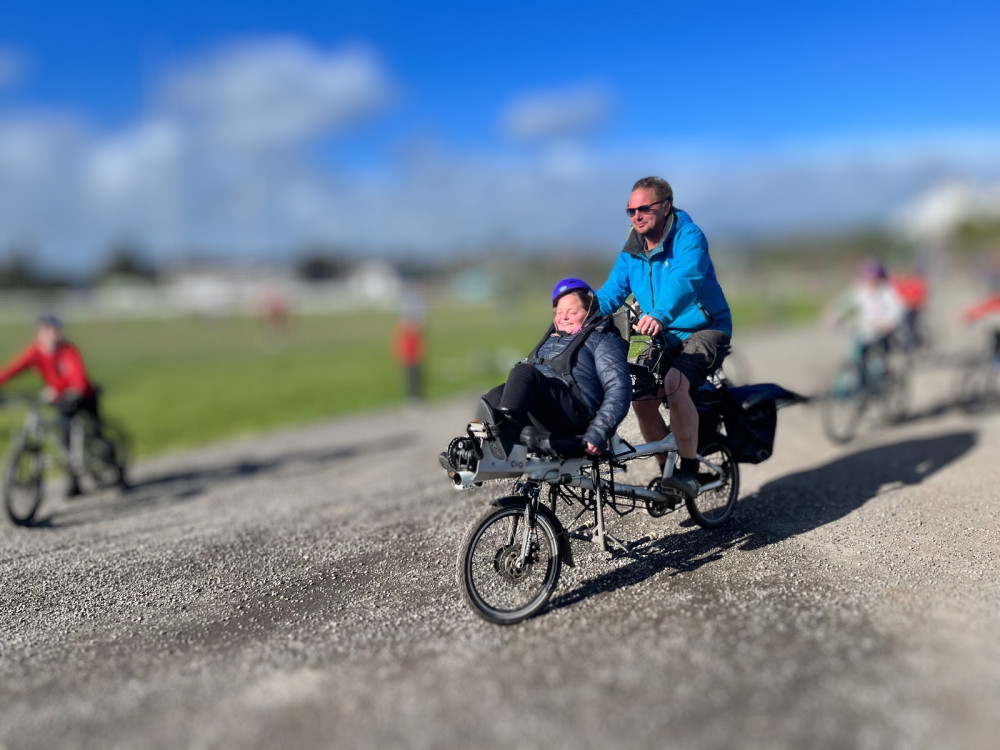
point(98, 452)
point(873, 382)
point(978, 386)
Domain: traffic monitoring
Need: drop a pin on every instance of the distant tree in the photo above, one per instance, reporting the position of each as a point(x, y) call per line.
point(16, 269)
point(978, 235)
point(127, 259)
point(317, 265)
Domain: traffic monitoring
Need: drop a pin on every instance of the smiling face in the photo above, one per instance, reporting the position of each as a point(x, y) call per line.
point(652, 219)
point(570, 312)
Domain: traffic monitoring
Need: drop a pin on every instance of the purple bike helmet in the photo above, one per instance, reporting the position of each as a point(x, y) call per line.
point(568, 285)
point(873, 269)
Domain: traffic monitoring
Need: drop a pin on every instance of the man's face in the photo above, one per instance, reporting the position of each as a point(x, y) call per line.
point(651, 221)
point(570, 313)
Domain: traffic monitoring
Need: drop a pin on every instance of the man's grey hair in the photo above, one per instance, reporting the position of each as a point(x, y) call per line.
point(658, 185)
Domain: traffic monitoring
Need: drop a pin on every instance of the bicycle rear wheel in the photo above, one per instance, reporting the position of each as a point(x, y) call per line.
point(500, 585)
point(979, 388)
point(844, 404)
point(894, 397)
point(23, 484)
point(713, 507)
point(101, 462)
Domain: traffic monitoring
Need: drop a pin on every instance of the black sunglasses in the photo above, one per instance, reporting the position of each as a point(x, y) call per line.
point(643, 209)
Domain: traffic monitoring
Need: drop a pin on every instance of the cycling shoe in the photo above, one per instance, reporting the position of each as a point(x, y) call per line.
point(682, 481)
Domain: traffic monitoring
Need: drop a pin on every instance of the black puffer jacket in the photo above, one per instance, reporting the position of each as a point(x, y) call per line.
point(601, 374)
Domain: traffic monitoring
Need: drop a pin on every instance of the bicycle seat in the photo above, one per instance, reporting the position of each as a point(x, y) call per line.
point(553, 445)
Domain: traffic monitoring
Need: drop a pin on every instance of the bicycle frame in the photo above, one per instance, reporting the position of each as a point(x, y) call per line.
point(583, 473)
point(43, 433)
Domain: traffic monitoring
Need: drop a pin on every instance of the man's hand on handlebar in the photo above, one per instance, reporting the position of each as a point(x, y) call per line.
point(592, 450)
point(649, 326)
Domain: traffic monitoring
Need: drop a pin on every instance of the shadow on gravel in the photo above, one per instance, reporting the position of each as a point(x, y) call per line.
point(786, 507)
point(170, 489)
point(800, 502)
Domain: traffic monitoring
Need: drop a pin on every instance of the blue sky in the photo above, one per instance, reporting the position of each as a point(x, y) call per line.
point(257, 127)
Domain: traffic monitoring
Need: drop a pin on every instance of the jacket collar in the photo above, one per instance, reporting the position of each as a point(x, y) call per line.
point(636, 245)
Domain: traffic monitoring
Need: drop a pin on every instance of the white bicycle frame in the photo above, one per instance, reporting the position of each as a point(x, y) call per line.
point(569, 471)
point(581, 472)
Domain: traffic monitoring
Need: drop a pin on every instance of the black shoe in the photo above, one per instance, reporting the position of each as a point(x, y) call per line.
point(682, 481)
point(508, 432)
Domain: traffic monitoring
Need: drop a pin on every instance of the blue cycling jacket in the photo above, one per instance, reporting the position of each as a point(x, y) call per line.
point(676, 283)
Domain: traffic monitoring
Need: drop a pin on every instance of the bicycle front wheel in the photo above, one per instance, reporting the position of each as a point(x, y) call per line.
point(22, 484)
point(720, 475)
point(844, 404)
point(499, 582)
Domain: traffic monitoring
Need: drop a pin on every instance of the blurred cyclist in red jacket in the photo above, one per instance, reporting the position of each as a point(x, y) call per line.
point(60, 365)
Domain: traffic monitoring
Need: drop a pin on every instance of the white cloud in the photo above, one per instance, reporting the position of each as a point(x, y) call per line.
point(118, 166)
point(934, 214)
point(275, 93)
point(553, 115)
point(39, 167)
point(224, 161)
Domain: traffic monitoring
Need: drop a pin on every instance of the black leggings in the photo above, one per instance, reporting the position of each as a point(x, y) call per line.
point(548, 402)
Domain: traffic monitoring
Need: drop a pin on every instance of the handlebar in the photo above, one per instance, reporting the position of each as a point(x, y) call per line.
point(22, 399)
point(634, 313)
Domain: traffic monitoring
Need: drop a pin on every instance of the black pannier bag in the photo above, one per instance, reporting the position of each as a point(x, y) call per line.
point(749, 413)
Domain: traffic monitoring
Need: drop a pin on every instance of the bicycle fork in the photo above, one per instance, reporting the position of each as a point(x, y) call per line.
point(531, 493)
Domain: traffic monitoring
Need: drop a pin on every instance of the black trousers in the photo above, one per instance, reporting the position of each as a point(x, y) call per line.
point(548, 402)
point(70, 407)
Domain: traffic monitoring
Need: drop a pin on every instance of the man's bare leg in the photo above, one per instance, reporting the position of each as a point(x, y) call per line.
point(651, 423)
point(683, 413)
point(684, 424)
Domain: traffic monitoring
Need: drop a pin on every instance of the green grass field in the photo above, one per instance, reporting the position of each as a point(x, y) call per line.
point(179, 383)
point(182, 382)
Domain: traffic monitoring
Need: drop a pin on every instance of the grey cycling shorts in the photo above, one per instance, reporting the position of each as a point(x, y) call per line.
point(701, 355)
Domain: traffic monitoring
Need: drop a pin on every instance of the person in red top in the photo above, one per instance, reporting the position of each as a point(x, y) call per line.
point(410, 353)
point(60, 364)
point(912, 289)
point(982, 309)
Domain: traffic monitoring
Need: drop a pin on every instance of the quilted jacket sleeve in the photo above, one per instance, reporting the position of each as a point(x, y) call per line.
point(611, 360)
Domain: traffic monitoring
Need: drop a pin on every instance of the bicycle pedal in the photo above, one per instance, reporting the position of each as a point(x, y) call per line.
point(673, 498)
point(478, 428)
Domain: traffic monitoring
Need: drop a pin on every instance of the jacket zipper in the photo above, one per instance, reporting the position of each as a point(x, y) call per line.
point(652, 291)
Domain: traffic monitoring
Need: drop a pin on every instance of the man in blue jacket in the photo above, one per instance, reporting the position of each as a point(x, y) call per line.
point(666, 266)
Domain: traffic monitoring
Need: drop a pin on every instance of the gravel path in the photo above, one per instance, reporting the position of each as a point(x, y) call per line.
point(298, 590)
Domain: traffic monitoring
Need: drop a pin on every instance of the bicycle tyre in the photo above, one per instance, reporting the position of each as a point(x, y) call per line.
point(894, 399)
point(979, 388)
point(490, 584)
point(712, 508)
point(23, 484)
point(844, 405)
point(101, 462)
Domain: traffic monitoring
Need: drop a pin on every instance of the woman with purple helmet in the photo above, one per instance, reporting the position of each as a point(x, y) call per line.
point(574, 384)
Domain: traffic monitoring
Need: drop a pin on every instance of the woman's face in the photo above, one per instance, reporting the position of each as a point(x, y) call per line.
point(570, 313)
